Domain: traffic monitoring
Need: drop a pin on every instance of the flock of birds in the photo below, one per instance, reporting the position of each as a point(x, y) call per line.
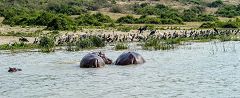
point(140, 36)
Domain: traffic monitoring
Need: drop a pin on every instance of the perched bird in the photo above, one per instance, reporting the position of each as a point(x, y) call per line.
point(152, 32)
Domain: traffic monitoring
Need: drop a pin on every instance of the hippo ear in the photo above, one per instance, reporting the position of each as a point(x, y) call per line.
point(131, 56)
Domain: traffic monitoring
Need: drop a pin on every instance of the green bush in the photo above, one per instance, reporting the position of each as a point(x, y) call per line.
point(87, 20)
point(93, 20)
point(121, 46)
point(189, 15)
point(65, 9)
point(207, 18)
point(97, 42)
point(216, 3)
point(102, 18)
point(229, 11)
point(61, 22)
point(84, 43)
point(90, 43)
point(196, 15)
point(44, 19)
point(47, 44)
point(127, 19)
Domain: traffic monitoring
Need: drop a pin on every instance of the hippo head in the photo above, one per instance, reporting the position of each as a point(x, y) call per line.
point(13, 69)
point(106, 59)
point(129, 58)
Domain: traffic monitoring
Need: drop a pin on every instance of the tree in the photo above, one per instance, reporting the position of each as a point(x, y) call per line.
point(216, 3)
point(61, 22)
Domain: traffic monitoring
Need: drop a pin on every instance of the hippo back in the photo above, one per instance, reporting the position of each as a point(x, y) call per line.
point(91, 60)
point(129, 58)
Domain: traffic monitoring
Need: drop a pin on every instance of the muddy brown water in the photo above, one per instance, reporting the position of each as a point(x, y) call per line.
point(210, 70)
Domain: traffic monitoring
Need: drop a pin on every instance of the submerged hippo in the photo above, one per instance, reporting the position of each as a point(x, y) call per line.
point(94, 60)
point(129, 58)
point(14, 69)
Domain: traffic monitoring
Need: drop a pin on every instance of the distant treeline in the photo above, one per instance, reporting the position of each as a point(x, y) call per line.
point(55, 14)
point(14, 16)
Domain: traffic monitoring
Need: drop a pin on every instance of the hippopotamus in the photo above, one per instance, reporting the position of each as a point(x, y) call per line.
point(105, 59)
point(129, 58)
point(94, 60)
point(14, 69)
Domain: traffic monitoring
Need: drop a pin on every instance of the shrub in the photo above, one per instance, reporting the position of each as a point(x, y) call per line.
point(196, 15)
point(65, 9)
point(44, 19)
point(102, 18)
point(97, 42)
point(229, 11)
point(189, 15)
point(93, 20)
point(126, 19)
point(121, 46)
point(47, 44)
point(216, 3)
point(61, 22)
point(84, 43)
point(207, 18)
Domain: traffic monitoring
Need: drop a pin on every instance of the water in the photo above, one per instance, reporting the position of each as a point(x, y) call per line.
point(209, 70)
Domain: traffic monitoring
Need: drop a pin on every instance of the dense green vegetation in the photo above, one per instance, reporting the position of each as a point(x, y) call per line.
point(52, 21)
point(70, 7)
point(229, 11)
point(164, 13)
point(216, 3)
point(93, 20)
point(57, 14)
point(196, 14)
point(220, 24)
point(148, 20)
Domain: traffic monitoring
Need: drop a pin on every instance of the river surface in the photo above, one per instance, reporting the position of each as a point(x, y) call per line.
point(210, 70)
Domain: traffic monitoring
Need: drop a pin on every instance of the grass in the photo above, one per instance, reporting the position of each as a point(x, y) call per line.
point(156, 44)
point(18, 46)
point(121, 46)
point(21, 34)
